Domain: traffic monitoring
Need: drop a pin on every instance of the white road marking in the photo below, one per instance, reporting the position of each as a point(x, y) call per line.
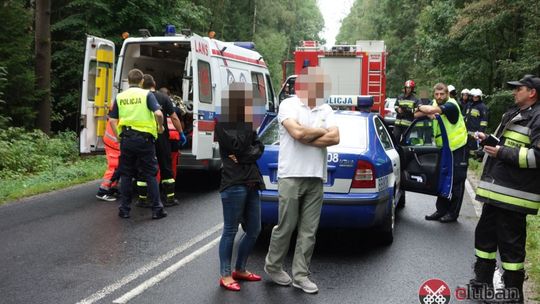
point(476, 204)
point(160, 260)
point(165, 273)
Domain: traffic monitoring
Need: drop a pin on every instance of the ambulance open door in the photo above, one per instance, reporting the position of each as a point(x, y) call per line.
point(203, 98)
point(97, 88)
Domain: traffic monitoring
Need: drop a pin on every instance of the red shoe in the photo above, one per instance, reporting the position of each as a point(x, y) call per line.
point(250, 277)
point(234, 286)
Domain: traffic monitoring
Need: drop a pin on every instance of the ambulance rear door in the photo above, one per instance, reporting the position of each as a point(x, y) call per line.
point(96, 97)
point(203, 98)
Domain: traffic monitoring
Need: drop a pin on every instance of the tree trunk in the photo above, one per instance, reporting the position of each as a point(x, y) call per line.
point(43, 63)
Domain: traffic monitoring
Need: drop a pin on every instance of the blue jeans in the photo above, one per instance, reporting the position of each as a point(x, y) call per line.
point(240, 204)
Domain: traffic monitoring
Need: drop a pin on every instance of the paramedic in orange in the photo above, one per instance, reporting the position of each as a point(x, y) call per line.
point(109, 184)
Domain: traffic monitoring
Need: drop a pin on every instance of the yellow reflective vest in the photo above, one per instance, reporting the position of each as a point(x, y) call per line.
point(134, 113)
point(457, 133)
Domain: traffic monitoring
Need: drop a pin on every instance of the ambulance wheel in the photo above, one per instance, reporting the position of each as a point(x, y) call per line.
point(401, 202)
point(386, 233)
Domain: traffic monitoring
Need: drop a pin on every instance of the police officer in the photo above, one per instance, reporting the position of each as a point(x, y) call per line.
point(476, 119)
point(405, 106)
point(448, 109)
point(134, 116)
point(509, 189)
point(163, 147)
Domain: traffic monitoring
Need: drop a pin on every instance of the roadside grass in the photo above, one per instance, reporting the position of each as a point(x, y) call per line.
point(61, 175)
point(532, 265)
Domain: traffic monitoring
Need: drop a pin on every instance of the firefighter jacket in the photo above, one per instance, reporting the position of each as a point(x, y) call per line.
point(476, 117)
point(456, 132)
point(408, 105)
point(510, 180)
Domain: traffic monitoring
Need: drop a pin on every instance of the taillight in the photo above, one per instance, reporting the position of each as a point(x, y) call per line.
point(364, 176)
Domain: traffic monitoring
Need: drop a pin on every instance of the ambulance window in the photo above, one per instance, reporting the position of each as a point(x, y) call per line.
point(92, 74)
point(205, 81)
point(259, 87)
point(270, 90)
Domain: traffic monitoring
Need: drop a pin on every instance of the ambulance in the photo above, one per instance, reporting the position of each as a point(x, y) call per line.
point(195, 68)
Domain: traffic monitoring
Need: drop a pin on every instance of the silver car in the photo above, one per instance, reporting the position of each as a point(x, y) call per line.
point(389, 111)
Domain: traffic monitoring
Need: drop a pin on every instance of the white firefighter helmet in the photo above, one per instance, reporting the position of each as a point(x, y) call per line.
point(476, 92)
point(451, 88)
point(465, 91)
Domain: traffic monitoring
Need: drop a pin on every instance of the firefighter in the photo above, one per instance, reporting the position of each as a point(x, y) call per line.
point(134, 116)
point(109, 185)
point(476, 119)
point(405, 106)
point(508, 190)
point(452, 92)
point(464, 100)
point(176, 138)
point(163, 147)
point(448, 108)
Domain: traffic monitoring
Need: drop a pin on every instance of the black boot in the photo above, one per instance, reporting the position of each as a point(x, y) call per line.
point(482, 283)
point(513, 283)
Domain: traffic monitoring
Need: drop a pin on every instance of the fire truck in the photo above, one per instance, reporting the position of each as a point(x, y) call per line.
point(358, 69)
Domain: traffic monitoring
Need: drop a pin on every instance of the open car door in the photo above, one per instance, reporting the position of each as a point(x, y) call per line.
point(96, 97)
point(203, 98)
point(426, 168)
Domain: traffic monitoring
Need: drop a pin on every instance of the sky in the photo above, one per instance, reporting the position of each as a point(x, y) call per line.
point(333, 12)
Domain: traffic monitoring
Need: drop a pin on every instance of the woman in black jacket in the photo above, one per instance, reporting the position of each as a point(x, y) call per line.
point(241, 181)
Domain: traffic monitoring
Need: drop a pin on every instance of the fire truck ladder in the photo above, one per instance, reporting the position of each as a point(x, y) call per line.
point(375, 77)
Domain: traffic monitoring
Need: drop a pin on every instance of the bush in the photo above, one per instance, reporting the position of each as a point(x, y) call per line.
point(23, 153)
point(498, 104)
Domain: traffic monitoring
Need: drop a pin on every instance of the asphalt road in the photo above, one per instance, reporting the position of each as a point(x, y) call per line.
point(67, 247)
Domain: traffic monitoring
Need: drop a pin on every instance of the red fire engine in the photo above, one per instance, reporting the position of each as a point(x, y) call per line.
point(358, 69)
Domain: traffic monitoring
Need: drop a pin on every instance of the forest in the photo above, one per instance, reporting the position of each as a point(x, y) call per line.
point(470, 44)
point(476, 43)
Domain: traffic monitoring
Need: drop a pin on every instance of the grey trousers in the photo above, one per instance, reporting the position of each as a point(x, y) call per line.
point(300, 202)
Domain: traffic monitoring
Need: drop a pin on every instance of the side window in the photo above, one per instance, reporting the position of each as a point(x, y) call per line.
point(205, 81)
point(386, 141)
point(259, 87)
point(270, 94)
point(420, 134)
point(92, 74)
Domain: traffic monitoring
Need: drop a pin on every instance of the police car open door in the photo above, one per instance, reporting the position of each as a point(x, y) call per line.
point(426, 167)
point(203, 98)
point(96, 97)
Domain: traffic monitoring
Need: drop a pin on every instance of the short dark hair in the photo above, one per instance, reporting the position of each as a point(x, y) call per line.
point(148, 82)
point(135, 76)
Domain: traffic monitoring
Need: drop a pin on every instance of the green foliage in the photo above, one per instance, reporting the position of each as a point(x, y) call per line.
point(498, 104)
point(533, 253)
point(24, 153)
point(58, 177)
point(472, 43)
point(16, 56)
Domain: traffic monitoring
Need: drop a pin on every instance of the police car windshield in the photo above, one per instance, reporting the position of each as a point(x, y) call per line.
point(352, 132)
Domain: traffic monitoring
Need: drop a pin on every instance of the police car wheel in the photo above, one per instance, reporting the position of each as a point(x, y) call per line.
point(401, 202)
point(387, 228)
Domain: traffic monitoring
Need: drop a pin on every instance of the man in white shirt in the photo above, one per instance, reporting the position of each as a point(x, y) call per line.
point(307, 127)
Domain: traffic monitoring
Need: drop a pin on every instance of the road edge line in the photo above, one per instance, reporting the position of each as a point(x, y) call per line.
point(146, 268)
point(165, 273)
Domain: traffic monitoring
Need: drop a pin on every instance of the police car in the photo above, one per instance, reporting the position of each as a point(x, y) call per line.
point(367, 172)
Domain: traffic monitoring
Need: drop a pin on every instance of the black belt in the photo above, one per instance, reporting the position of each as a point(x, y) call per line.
point(129, 132)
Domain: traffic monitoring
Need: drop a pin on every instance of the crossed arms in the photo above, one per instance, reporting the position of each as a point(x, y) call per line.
point(317, 137)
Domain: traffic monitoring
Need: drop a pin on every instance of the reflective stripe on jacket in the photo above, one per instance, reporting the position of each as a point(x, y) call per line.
point(408, 104)
point(457, 133)
point(511, 180)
